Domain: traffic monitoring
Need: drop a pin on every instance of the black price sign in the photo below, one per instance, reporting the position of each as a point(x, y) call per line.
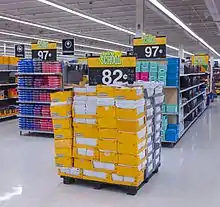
point(20, 51)
point(150, 51)
point(111, 69)
point(106, 76)
point(68, 46)
point(150, 47)
point(44, 51)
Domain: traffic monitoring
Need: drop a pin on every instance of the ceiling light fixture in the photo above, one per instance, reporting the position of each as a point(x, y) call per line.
point(62, 31)
point(86, 16)
point(180, 23)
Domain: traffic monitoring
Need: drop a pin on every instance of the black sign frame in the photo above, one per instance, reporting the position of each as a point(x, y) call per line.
point(20, 51)
point(68, 46)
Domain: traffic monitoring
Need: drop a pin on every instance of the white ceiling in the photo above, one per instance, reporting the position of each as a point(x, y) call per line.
point(194, 13)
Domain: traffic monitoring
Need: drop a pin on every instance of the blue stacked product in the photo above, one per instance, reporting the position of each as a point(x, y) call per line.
point(25, 95)
point(37, 64)
point(25, 66)
point(25, 81)
point(30, 109)
point(172, 132)
point(29, 124)
point(173, 72)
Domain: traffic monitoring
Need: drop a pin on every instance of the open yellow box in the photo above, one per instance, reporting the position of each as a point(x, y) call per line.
point(130, 113)
point(63, 133)
point(107, 123)
point(108, 133)
point(86, 130)
point(106, 111)
point(83, 164)
point(126, 93)
point(108, 156)
point(131, 125)
point(105, 91)
point(64, 161)
point(107, 144)
point(86, 153)
point(61, 110)
point(61, 96)
point(62, 123)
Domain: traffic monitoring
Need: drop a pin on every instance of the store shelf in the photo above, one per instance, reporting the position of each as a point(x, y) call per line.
point(51, 89)
point(171, 114)
point(8, 84)
point(38, 74)
point(5, 99)
point(192, 74)
point(9, 71)
point(36, 131)
point(192, 99)
point(10, 116)
point(171, 87)
point(191, 87)
point(30, 116)
point(33, 102)
point(193, 121)
point(193, 110)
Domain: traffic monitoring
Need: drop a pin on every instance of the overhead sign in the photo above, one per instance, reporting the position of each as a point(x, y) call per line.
point(201, 60)
point(150, 47)
point(20, 51)
point(111, 68)
point(46, 51)
point(68, 46)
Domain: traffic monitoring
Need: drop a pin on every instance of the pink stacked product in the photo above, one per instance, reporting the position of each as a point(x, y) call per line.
point(51, 67)
point(144, 76)
point(38, 82)
point(45, 111)
point(54, 82)
point(46, 125)
point(138, 76)
point(44, 97)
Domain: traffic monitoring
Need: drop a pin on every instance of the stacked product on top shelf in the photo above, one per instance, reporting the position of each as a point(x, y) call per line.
point(113, 140)
point(8, 91)
point(36, 79)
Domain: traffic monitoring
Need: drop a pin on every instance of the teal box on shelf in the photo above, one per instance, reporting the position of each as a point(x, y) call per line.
point(162, 78)
point(163, 135)
point(144, 69)
point(153, 78)
point(164, 122)
point(164, 108)
point(172, 108)
point(153, 67)
point(162, 73)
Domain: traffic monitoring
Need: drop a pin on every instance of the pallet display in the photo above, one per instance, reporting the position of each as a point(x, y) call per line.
point(103, 117)
point(8, 84)
point(36, 79)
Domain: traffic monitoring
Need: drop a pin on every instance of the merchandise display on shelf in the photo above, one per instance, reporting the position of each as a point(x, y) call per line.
point(113, 136)
point(216, 80)
point(185, 103)
point(8, 84)
point(36, 79)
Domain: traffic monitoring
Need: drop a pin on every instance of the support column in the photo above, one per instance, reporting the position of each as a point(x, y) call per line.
point(4, 50)
point(181, 52)
point(139, 18)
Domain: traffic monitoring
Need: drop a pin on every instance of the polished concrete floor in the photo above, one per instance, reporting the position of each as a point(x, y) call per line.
point(189, 175)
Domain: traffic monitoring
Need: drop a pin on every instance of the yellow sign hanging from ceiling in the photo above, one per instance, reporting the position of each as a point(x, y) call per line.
point(201, 60)
point(150, 40)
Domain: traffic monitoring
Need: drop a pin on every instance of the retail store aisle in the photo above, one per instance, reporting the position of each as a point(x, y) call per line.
point(189, 175)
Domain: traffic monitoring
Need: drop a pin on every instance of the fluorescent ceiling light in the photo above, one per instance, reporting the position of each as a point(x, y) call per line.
point(180, 23)
point(174, 56)
point(188, 53)
point(95, 20)
point(86, 16)
point(62, 31)
point(49, 40)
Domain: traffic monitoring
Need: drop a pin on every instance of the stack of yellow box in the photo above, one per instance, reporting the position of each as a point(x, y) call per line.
point(109, 143)
point(61, 111)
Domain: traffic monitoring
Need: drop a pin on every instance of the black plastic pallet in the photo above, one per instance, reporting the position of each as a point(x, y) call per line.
point(130, 190)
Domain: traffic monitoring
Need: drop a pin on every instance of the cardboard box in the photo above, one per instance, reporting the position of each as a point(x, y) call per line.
point(61, 96)
point(63, 133)
point(104, 166)
point(86, 153)
point(64, 162)
point(63, 143)
point(132, 148)
point(107, 144)
point(108, 156)
point(83, 142)
point(107, 123)
point(96, 176)
point(86, 130)
point(105, 91)
point(132, 160)
point(130, 114)
point(129, 93)
point(62, 123)
point(63, 152)
point(108, 133)
point(106, 111)
point(70, 172)
point(131, 125)
point(83, 164)
point(61, 110)
point(132, 137)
